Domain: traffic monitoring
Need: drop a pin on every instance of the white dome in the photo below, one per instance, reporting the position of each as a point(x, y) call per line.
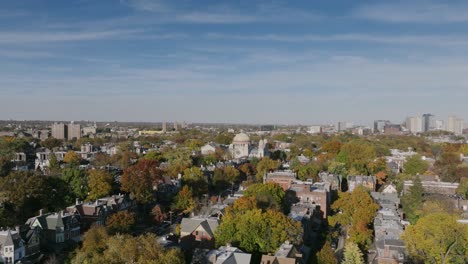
point(241, 137)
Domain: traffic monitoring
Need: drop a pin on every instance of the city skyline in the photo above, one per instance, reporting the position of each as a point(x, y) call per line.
point(220, 62)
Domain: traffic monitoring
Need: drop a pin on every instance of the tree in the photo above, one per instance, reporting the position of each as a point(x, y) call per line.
point(257, 231)
point(120, 222)
point(266, 165)
point(268, 195)
point(462, 189)
point(415, 165)
point(77, 181)
point(356, 211)
point(158, 214)
point(437, 238)
point(332, 147)
point(197, 181)
point(352, 254)
point(446, 166)
point(356, 155)
point(412, 201)
point(154, 155)
point(99, 247)
point(226, 177)
point(326, 255)
point(338, 168)
point(139, 180)
point(71, 158)
point(99, 184)
point(51, 143)
point(184, 201)
point(308, 171)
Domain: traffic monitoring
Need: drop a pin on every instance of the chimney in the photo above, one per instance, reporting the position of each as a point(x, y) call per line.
point(77, 201)
point(41, 211)
point(17, 228)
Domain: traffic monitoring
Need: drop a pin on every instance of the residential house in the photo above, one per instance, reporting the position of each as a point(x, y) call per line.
point(56, 229)
point(209, 148)
point(368, 182)
point(199, 230)
point(315, 194)
point(283, 178)
point(11, 246)
point(31, 238)
point(227, 255)
point(333, 179)
point(287, 253)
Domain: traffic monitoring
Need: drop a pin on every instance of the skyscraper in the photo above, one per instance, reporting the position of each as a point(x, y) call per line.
point(414, 124)
point(74, 131)
point(59, 131)
point(428, 122)
point(455, 125)
point(379, 125)
point(164, 127)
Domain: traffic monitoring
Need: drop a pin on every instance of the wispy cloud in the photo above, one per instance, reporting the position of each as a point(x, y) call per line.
point(49, 36)
point(414, 12)
point(431, 40)
point(146, 5)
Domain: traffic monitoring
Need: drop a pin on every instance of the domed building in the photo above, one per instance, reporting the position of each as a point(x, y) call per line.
point(240, 147)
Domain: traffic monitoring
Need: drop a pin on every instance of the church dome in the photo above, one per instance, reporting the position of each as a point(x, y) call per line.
point(241, 138)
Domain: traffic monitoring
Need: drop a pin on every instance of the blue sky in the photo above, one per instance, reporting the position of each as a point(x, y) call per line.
point(233, 61)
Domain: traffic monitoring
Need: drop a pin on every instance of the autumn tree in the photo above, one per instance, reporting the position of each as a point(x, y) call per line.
point(99, 184)
point(98, 247)
point(266, 165)
point(71, 158)
point(326, 255)
point(223, 178)
point(415, 165)
point(437, 238)
point(120, 222)
point(356, 155)
point(139, 180)
point(446, 166)
point(158, 214)
point(352, 254)
point(356, 211)
point(51, 143)
point(184, 201)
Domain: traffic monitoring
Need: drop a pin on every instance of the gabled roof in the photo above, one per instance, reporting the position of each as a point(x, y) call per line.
point(188, 225)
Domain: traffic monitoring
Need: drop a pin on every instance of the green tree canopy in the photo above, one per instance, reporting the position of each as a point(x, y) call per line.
point(258, 231)
point(437, 238)
point(352, 254)
point(415, 165)
point(266, 165)
point(412, 201)
point(268, 195)
point(77, 181)
point(197, 181)
point(356, 155)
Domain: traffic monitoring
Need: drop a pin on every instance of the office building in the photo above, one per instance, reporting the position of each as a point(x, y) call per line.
point(379, 125)
point(414, 124)
point(59, 131)
point(455, 125)
point(428, 122)
point(74, 131)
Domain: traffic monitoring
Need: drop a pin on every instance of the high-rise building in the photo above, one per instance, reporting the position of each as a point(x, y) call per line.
point(428, 122)
point(379, 125)
point(455, 125)
point(74, 131)
point(341, 126)
point(59, 131)
point(440, 125)
point(176, 126)
point(414, 124)
point(164, 127)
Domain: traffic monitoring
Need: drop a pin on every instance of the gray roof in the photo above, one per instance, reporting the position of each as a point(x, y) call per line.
point(188, 225)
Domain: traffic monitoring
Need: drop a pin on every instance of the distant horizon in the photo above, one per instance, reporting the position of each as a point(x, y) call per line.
point(256, 62)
